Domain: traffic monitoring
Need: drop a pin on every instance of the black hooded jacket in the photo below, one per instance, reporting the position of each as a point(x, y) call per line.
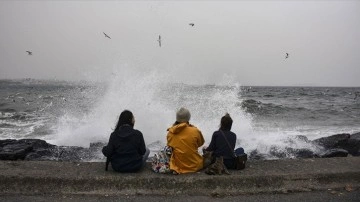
point(125, 149)
point(220, 146)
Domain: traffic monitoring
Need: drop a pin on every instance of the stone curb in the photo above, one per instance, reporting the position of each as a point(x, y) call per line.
point(277, 176)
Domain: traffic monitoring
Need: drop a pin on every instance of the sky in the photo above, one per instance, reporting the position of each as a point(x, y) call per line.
point(244, 40)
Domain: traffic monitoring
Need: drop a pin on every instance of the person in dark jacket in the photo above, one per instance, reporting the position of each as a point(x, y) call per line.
point(223, 142)
point(126, 149)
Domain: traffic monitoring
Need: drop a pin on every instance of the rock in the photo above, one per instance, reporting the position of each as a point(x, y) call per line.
point(71, 153)
point(35, 149)
point(40, 154)
point(350, 143)
point(255, 155)
point(36, 143)
point(302, 138)
point(302, 153)
point(97, 145)
point(355, 136)
point(354, 144)
point(14, 151)
point(289, 152)
point(277, 152)
point(335, 153)
point(11, 149)
point(333, 141)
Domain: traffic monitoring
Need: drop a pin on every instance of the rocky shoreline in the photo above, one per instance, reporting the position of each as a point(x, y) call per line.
point(339, 145)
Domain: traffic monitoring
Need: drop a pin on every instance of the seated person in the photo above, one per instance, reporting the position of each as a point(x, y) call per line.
point(184, 139)
point(223, 143)
point(126, 148)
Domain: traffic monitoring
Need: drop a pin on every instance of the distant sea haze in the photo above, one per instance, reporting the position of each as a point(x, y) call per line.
point(69, 113)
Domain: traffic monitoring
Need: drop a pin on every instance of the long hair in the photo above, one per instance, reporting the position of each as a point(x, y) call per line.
point(226, 122)
point(125, 118)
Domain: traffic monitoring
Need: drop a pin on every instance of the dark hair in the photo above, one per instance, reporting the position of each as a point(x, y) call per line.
point(226, 122)
point(125, 118)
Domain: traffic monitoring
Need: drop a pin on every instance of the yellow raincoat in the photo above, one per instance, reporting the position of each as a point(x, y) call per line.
point(185, 139)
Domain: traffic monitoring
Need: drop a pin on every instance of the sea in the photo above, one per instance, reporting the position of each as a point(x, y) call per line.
point(77, 113)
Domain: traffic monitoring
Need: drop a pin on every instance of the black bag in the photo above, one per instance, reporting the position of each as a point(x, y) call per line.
point(240, 161)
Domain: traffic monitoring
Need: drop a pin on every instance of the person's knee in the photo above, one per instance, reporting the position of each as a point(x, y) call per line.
point(147, 152)
point(239, 151)
point(146, 155)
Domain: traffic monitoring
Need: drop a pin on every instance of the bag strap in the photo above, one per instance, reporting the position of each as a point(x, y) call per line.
point(107, 163)
point(232, 151)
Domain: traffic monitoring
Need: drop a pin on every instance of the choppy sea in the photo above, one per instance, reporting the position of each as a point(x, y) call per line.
point(77, 113)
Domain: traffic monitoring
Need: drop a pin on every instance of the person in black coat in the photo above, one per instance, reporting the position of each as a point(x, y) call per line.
point(223, 143)
point(126, 149)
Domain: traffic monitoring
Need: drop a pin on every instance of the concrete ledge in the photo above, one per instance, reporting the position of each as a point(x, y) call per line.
point(276, 176)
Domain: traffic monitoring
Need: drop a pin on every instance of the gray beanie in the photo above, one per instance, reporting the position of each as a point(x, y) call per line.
point(183, 115)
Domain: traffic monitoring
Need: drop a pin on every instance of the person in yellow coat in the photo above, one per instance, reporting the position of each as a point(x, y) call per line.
point(184, 139)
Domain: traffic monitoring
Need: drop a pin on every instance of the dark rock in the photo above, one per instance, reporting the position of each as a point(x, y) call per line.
point(333, 141)
point(14, 152)
point(41, 154)
point(296, 139)
point(13, 149)
point(97, 145)
point(255, 155)
point(289, 152)
point(355, 136)
point(35, 149)
point(71, 153)
point(350, 143)
point(301, 153)
point(6, 142)
point(277, 152)
point(36, 143)
point(302, 138)
point(95, 151)
point(353, 146)
point(335, 153)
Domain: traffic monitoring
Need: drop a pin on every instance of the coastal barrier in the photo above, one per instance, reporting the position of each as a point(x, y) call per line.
point(269, 176)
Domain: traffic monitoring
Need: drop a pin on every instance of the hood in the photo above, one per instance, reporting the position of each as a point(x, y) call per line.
point(125, 131)
point(178, 128)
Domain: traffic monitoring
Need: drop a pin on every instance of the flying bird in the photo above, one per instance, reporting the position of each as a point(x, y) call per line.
point(106, 35)
point(287, 55)
point(29, 52)
point(159, 40)
point(191, 24)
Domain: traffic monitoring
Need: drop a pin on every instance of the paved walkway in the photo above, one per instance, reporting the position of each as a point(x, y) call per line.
point(276, 176)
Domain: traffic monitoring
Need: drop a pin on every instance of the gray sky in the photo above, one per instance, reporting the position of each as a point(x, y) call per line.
point(246, 40)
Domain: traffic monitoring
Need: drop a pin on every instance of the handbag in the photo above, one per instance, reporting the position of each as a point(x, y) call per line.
point(161, 161)
point(239, 160)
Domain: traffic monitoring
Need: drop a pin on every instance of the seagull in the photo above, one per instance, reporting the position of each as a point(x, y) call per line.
point(287, 55)
point(191, 24)
point(29, 52)
point(159, 40)
point(106, 35)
